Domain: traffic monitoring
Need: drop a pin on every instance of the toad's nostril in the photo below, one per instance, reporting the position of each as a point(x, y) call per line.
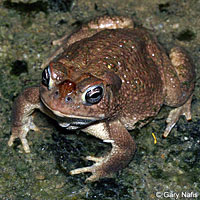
point(56, 94)
point(68, 99)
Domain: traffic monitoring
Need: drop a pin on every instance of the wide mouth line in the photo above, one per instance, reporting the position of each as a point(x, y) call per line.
point(60, 114)
point(74, 116)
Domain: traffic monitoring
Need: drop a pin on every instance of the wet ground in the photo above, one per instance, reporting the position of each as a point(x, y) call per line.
point(166, 169)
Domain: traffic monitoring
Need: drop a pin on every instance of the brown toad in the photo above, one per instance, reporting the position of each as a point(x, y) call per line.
point(104, 79)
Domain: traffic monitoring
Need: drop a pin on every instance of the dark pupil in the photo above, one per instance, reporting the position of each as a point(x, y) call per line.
point(94, 95)
point(45, 77)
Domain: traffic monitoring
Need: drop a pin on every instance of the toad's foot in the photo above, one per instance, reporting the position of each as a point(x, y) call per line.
point(117, 159)
point(174, 115)
point(21, 132)
point(96, 169)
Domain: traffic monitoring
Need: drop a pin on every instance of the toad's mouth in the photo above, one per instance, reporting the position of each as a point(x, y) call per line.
point(74, 118)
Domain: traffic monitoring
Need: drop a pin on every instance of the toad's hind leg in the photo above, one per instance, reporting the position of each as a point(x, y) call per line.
point(174, 115)
point(94, 26)
point(123, 148)
point(179, 78)
point(88, 30)
point(180, 89)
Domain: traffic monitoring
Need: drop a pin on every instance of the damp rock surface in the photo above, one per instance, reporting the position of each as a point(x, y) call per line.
point(159, 170)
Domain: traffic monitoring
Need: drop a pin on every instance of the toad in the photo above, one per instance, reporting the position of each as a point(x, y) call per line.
point(105, 79)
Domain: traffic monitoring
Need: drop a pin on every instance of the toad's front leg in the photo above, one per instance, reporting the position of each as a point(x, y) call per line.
point(123, 148)
point(22, 120)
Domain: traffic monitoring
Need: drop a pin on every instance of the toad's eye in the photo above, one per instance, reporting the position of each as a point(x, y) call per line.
point(46, 77)
point(93, 94)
